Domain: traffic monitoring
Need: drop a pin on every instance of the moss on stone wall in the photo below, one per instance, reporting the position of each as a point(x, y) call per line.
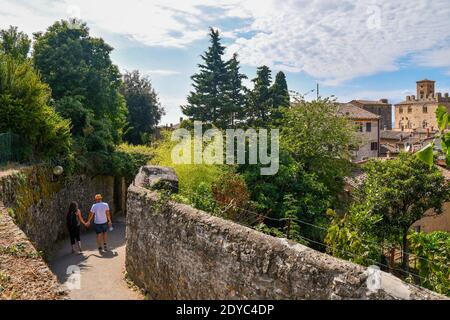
point(34, 186)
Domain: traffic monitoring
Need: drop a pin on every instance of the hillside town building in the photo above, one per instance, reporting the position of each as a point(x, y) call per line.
point(368, 129)
point(418, 111)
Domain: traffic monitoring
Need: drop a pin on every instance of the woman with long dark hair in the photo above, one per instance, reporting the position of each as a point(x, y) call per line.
point(74, 220)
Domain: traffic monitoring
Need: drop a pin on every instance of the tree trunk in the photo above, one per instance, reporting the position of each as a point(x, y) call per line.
point(405, 255)
point(392, 259)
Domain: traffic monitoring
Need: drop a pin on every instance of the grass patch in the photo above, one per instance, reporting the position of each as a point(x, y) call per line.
point(193, 179)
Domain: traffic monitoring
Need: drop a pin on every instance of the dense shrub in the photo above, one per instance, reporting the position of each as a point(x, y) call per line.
point(434, 262)
point(25, 110)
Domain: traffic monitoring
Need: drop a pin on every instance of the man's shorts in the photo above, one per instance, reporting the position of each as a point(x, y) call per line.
point(100, 228)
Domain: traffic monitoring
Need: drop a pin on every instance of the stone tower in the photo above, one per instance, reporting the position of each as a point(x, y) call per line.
point(425, 88)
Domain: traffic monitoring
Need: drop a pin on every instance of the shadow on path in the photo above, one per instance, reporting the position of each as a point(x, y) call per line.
point(101, 275)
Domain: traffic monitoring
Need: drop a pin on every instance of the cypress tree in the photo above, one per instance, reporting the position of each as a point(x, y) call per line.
point(260, 98)
point(280, 92)
point(209, 101)
point(236, 91)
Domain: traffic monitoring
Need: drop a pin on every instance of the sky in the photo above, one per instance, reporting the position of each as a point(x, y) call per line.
point(366, 49)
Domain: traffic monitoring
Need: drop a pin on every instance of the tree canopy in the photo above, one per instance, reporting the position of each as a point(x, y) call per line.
point(86, 89)
point(144, 108)
point(217, 95)
point(14, 43)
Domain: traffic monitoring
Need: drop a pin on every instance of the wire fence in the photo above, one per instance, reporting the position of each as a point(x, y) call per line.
point(13, 148)
point(260, 218)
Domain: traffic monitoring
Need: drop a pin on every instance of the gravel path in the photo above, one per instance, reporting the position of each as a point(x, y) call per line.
point(101, 275)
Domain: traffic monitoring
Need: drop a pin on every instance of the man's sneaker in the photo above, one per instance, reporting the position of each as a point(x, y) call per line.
point(100, 249)
point(105, 248)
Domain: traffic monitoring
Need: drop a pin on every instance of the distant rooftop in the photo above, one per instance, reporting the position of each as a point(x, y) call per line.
point(371, 102)
point(353, 112)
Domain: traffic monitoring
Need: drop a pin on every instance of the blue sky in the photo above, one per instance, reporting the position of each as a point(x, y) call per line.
point(369, 49)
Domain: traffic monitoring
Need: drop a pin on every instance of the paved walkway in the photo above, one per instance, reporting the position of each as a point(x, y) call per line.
point(101, 275)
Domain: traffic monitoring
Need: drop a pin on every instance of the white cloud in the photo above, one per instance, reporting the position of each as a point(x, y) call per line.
point(162, 72)
point(332, 41)
point(337, 41)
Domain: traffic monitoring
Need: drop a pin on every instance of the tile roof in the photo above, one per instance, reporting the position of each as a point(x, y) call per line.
point(370, 102)
point(353, 112)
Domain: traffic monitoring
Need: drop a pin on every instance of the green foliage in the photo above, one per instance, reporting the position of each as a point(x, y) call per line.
point(194, 179)
point(236, 91)
point(313, 160)
point(280, 91)
point(401, 190)
point(25, 110)
point(144, 108)
point(354, 237)
point(395, 194)
point(426, 155)
point(434, 267)
point(14, 43)
point(260, 100)
point(317, 139)
point(209, 97)
point(202, 198)
point(85, 87)
point(217, 94)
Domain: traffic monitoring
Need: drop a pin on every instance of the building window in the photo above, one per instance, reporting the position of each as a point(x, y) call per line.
point(359, 127)
point(424, 124)
point(374, 146)
point(409, 109)
point(400, 110)
point(368, 127)
point(425, 109)
point(417, 228)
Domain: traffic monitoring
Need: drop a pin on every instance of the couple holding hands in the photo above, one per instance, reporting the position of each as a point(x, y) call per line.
point(102, 220)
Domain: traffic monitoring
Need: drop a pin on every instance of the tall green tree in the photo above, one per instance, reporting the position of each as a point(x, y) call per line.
point(401, 191)
point(313, 160)
point(318, 137)
point(280, 91)
point(260, 100)
point(15, 43)
point(237, 91)
point(209, 101)
point(25, 110)
point(144, 108)
point(395, 194)
point(86, 89)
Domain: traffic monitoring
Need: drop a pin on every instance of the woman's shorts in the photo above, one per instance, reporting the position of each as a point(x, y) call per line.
point(101, 228)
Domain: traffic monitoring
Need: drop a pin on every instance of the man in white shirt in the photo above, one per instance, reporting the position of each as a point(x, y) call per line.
point(102, 220)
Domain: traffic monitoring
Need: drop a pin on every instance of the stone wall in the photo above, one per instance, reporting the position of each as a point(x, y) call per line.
point(39, 201)
point(23, 273)
point(177, 252)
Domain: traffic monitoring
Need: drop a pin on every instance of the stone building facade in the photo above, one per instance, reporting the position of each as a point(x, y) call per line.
point(368, 129)
point(418, 111)
point(381, 108)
